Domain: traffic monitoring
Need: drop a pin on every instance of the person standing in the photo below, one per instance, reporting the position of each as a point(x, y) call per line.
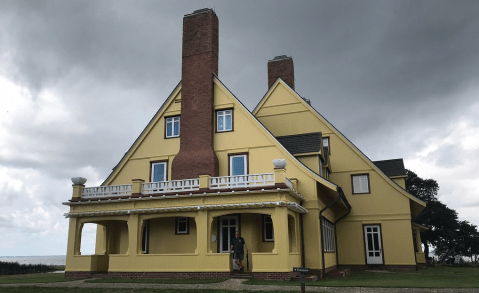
point(238, 246)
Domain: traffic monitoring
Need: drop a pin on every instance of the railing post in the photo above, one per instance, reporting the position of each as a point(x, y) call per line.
point(78, 185)
point(136, 186)
point(279, 172)
point(204, 182)
point(295, 183)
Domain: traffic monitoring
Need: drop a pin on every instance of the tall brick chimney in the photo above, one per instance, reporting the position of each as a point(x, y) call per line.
point(281, 66)
point(199, 62)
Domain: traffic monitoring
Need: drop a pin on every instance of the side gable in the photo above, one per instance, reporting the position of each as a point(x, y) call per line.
point(226, 98)
point(285, 112)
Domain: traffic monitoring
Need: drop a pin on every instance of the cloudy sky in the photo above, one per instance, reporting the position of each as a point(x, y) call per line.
point(79, 80)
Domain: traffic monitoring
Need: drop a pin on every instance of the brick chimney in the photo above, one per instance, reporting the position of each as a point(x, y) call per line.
point(281, 66)
point(199, 62)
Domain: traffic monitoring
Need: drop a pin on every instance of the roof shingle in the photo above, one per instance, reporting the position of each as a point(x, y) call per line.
point(391, 168)
point(301, 143)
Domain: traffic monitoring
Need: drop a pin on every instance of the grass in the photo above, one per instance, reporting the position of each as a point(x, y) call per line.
point(32, 278)
point(158, 281)
point(437, 277)
point(33, 289)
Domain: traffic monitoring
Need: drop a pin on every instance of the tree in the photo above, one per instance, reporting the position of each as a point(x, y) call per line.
point(441, 220)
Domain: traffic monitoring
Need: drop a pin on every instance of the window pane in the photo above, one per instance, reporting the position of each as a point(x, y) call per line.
point(238, 166)
point(228, 123)
point(182, 226)
point(232, 222)
point(225, 239)
point(159, 170)
point(169, 130)
point(177, 128)
point(220, 123)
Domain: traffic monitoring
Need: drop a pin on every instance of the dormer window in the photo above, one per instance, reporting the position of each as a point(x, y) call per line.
point(172, 125)
point(224, 120)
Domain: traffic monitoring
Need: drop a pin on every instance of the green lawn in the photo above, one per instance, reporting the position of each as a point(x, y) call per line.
point(158, 281)
point(33, 278)
point(438, 277)
point(116, 290)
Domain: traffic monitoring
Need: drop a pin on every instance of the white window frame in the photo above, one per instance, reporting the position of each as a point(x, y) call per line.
point(268, 224)
point(328, 235)
point(225, 114)
point(326, 144)
point(360, 184)
point(245, 156)
point(165, 177)
point(182, 220)
point(172, 121)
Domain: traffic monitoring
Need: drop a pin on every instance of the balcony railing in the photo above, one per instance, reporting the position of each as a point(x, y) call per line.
point(242, 181)
point(186, 185)
point(171, 186)
point(107, 191)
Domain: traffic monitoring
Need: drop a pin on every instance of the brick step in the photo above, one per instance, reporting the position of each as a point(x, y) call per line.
point(100, 275)
point(338, 273)
point(238, 275)
point(308, 278)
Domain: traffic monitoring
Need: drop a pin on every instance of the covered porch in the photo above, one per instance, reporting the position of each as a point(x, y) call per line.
point(190, 241)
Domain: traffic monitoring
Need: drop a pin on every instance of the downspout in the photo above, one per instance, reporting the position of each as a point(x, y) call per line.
point(341, 194)
point(303, 260)
point(321, 229)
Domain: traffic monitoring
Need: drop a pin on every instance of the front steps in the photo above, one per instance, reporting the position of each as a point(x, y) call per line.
point(338, 273)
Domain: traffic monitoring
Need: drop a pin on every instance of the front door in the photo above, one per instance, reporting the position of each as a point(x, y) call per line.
point(374, 251)
point(228, 227)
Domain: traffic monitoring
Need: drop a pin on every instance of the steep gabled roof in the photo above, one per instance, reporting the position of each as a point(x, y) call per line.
point(301, 143)
point(416, 204)
point(391, 168)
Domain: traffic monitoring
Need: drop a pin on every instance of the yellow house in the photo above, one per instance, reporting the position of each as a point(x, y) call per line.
point(299, 192)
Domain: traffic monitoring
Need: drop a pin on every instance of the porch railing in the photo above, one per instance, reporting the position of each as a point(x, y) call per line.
point(171, 186)
point(106, 191)
point(242, 181)
point(185, 185)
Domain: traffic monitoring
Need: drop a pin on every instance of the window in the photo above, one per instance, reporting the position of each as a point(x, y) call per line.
point(145, 237)
point(326, 145)
point(360, 183)
point(158, 171)
point(327, 174)
point(328, 235)
point(238, 165)
point(224, 120)
point(268, 233)
point(320, 167)
point(172, 127)
point(182, 225)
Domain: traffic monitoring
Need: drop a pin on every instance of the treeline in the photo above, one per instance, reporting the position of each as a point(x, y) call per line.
point(449, 236)
point(14, 268)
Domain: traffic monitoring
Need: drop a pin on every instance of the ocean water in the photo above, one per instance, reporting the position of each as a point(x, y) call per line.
point(57, 260)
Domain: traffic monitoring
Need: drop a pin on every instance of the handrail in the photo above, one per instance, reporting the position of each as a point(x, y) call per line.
point(242, 181)
point(171, 186)
point(106, 191)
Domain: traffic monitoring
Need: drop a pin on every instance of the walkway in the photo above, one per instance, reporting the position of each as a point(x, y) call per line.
point(237, 284)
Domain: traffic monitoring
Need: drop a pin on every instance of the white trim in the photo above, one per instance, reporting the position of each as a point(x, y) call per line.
point(165, 169)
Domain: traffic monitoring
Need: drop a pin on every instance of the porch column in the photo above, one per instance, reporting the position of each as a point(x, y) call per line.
point(133, 238)
point(418, 240)
point(202, 233)
point(74, 237)
point(280, 226)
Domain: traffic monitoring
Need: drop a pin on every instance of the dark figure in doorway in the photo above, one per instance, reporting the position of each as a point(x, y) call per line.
point(238, 246)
